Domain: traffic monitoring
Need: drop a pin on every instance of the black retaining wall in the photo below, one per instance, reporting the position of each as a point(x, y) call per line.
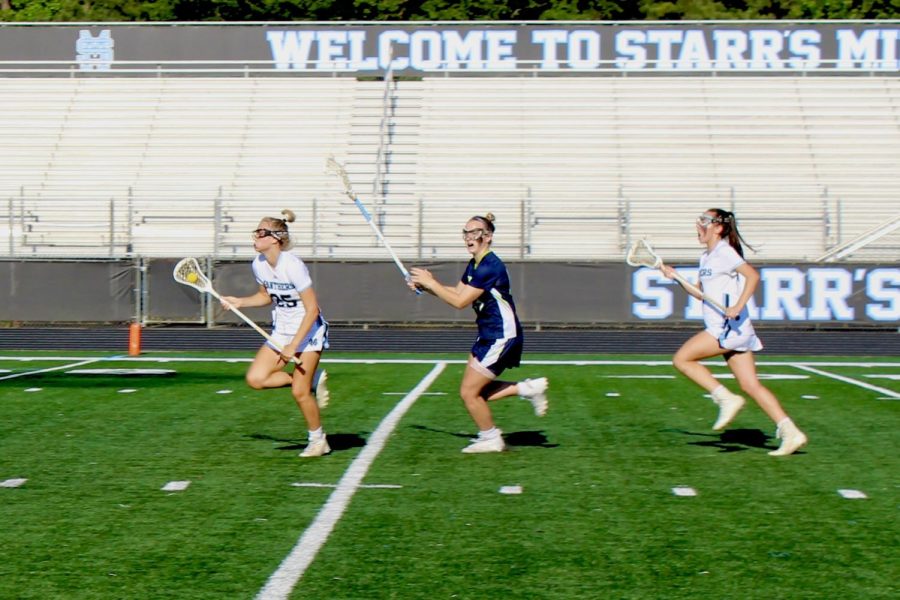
point(348, 339)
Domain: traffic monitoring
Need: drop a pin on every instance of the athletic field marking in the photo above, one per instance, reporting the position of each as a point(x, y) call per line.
point(12, 483)
point(852, 494)
point(127, 391)
point(773, 376)
point(291, 569)
point(373, 486)
point(684, 491)
point(851, 381)
point(638, 376)
point(121, 372)
point(893, 377)
point(34, 389)
point(511, 489)
point(175, 486)
point(409, 361)
point(47, 370)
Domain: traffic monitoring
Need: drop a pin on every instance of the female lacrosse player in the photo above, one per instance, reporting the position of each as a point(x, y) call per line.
point(485, 286)
point(297, 325)
point(726, 277)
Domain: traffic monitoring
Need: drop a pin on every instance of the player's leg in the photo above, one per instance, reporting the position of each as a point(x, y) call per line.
point(687, 360)
point(475, 378)
point(533, 390)
point(320, 387)
point(301, 388)
point(267, 370)
point(743, 365)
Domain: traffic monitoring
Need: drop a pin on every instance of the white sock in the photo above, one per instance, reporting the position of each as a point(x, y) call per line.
point(720, 393)
point(489, 434)
point(523, 388)
point(784, 423)
point(316, 434)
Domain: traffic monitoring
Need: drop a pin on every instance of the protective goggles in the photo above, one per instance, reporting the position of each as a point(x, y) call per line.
point(257, 234)
point(706, 220)
point(472, 234)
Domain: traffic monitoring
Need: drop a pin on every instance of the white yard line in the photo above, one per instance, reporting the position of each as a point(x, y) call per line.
point(47, 370)
point(850, 380)
point(421, 361)
point(283, 580)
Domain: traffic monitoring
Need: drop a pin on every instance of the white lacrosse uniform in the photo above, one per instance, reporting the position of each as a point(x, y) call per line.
point(284, 282)
point(722, 282)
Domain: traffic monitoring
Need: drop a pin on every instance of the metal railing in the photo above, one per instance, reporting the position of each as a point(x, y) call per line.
point(533, 228)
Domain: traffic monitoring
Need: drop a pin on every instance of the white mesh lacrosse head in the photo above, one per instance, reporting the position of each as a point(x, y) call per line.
point(641, 254)
point(188, 272)
point(337, 168)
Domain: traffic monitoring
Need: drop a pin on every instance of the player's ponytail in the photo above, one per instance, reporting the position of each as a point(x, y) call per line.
point(729, 230)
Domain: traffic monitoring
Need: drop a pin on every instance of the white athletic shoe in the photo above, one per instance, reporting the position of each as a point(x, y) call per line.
point(535, 391)
point(792, 439)
point(322, 393)
point(317, 447)
point(481, 446)
point(729, 406)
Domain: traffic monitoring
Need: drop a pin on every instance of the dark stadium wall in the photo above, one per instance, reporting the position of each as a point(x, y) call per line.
point(371, 292)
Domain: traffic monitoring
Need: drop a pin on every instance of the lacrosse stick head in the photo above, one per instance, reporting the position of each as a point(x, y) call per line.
point(641, 254)
point(188, 272)
point(338, 169)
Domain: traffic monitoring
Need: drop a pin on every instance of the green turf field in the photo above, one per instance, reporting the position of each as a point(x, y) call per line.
point(396, 511)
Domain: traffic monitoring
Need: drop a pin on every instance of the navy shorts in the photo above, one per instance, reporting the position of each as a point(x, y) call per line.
point(498, 355)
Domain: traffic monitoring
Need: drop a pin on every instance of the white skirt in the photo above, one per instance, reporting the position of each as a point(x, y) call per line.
point(315, 341)
point(739, 339)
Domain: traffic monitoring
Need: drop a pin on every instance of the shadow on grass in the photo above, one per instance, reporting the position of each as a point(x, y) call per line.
point(733, 440)
point(337, 441)
point(535, 439)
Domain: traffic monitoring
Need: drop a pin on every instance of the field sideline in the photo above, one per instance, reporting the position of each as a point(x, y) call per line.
point(621, 491)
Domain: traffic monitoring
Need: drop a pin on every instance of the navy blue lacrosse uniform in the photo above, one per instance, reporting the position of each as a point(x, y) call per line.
point(500, 339)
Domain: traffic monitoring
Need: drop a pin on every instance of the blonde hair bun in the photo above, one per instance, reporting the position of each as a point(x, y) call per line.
point(289, 216)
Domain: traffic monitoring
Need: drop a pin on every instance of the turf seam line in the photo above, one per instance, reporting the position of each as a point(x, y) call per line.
point(851, 381)
point(282, 581)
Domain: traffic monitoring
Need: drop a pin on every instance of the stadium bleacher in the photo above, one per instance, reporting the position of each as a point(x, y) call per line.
point(574, 168)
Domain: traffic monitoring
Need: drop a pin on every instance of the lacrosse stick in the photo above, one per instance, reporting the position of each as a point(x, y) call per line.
point(641, 254)
point(336, 167)
point(188, 272)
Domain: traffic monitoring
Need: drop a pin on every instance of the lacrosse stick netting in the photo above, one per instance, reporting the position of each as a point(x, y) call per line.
point(187, 271)
point(641, 254)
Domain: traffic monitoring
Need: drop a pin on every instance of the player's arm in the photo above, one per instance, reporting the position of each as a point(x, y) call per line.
point(260, 298)
point(669, 273)
point(751, 280)
point(459, 296)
